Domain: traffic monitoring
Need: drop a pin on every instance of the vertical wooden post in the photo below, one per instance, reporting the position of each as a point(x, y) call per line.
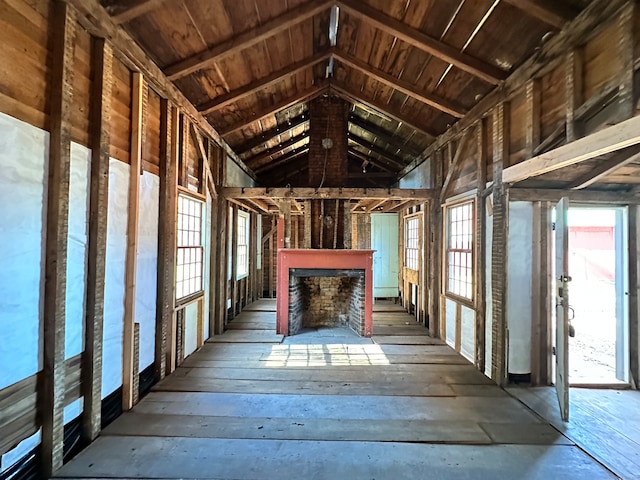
point(222, 255)
point(335, 224)
point(234, 259)
point(212, 153)
point(137, 127)
point(633, 240)
point(256, 238)
point(435, 246)
point(626, 46)
point(499, 248)
point(347, 225)
point(534, 124)
point(321, 229)
point(480, 247)
point(184, 152)
point(167, 235)
point(100, 111)
point(424, 269)
point(573, 91)
point(307, 224)
point(285, 213)
point(51, 397)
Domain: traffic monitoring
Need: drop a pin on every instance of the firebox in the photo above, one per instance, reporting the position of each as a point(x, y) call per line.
point(324, 288)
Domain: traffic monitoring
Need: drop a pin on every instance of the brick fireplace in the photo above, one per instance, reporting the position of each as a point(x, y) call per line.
point(324, 288)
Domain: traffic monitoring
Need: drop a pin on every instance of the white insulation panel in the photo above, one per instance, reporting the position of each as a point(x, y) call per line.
point(468, 333)
point(190, 328)
point(23, 160)
point(147, 266)
point(207, 264)
point(114, 287)
point(488, 236)
point(450, 312)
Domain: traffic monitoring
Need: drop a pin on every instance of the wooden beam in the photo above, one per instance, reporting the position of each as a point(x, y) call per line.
point(268, 135)
point(167, 234)
point(327, 193)
point(436, 248)
point(612, 197)
point(126, 13)
point(416, 38)
point(385, 110)
point(305, 95)
point(479, 262)
point(607, 167)
point(264, 158)
point(205, 173)
point(100, 111)
point(456, 163)
point(385, 135)
point(262, 83)
point(431, 99)
point(282, 160)
point(135, 171)
point(389, 157)
point(610, 139)
point(633, 236)
point(51, 400)
point(99, 23)
point(246, 39)
point(553, 13)
point(361, 157)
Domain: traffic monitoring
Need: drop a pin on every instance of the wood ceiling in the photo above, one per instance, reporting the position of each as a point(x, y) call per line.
point(409, 68)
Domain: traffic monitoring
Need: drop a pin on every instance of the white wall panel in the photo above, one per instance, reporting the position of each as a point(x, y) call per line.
point(114, 288)
point(207, 264)
point(23, 160)
point(147, 266)
point(488, 235)
point(419, 177)
point(450, 312)
point(468, 333)
point(190, 328)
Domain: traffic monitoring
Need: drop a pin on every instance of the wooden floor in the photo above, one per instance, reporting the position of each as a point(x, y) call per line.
point(327, 404)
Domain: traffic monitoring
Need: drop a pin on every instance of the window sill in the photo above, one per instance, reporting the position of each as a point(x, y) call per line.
point(181, 302)
point(467, 302)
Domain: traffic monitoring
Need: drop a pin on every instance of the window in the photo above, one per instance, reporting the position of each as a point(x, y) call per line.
point(460, 250)
point(190, 248)
point(243, 245)
point(411, 243)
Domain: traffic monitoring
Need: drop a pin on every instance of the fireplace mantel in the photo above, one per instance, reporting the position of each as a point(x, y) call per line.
point(289, 258)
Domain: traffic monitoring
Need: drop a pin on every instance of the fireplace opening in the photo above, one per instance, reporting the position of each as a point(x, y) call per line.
point(326, 298)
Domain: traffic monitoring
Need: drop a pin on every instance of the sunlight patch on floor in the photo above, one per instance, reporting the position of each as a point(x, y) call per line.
point(322, 355)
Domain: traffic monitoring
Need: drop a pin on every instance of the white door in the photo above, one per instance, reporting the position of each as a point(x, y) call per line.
point(384, 240)
point(562, 280)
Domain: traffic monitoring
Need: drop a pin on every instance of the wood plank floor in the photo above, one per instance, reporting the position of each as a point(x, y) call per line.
point(327, 404)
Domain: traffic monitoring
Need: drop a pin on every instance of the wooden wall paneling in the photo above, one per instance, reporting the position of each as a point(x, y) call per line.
point(52, 391)
point(480, 245)
point(102, 58)
point(233, 287)
point(137, 121)
point(634, 294)
point(574, 91)
point(81, 108)
point(499, 247)
point(307, 224)
point(436, 251)
point(347, 232)
point(120, 124)
point(533, 117)
point(626, 53)
point(200, 329)
point(167, 238)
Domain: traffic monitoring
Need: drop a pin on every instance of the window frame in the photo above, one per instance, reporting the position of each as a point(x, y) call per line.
point(416, 217)
point(465, 246)
point(246, 217)
point(195, 242)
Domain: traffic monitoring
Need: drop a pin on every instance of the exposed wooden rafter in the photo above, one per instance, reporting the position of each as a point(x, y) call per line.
point(123, 12)
point(385, 135)
point(456, 163)
point(352, 95)
point(272, 133)
point(431, 99)
point(303, 96)
point(278, 162)
point(328, 192)
point(261, 159)
point(246, 39)
point(399, 164)
point(422, 41)
point(607, 167)
point(551, 12)
point(262, 83)
point(361, 157)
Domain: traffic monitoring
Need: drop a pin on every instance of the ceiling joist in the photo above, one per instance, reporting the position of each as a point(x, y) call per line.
point(607, 167)
point(278, 162)
point(262, 83)
point(342, 193)
point(246, 39)
point(385, 136)
point(261, 159)
point(551, 12)
point(365, 159)
point(123, 12)
point(303, 96)
point(489, 73)
point(377, 150)
point(434, 101)
point(267, 136)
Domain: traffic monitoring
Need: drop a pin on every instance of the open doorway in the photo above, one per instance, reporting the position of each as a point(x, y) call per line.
point(598, 343)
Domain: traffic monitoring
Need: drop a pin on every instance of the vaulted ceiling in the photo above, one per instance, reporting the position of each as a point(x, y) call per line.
point(409, 68)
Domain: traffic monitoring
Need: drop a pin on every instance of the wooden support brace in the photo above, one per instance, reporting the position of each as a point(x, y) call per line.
point(480, 246)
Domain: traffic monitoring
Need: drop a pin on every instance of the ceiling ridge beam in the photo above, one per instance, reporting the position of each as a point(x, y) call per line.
point(487, 72)
point(553, 13)
point(272, 133)
point(431, 99)
point(257, 160)
point(385, 110)
point(246, 39)
point(384, 135)
point(307, 94)
point(262, 83)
